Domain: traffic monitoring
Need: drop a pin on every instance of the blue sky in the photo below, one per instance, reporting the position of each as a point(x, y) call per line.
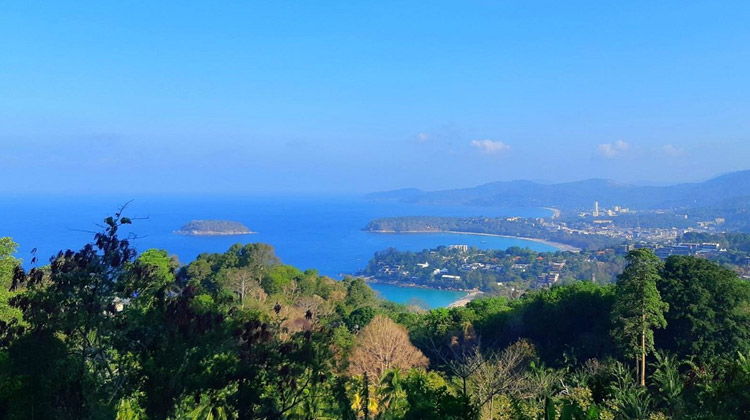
point(324, 96)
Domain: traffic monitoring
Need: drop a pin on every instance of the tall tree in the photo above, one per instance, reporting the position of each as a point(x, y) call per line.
point(638, 307)
point(708, 317)
point(75, 309)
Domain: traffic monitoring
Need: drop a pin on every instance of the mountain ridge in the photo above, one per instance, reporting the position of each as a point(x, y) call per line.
point(582, 194)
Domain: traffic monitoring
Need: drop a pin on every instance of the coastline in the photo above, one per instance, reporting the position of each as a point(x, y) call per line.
point(470, 295)
point(555, 212)
point(368, 279)
point(558, 245)
point(466, 299)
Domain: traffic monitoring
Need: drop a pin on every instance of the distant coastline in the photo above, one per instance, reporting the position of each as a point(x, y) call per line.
point(369, 279)
point(558, 245)
point(555, 212)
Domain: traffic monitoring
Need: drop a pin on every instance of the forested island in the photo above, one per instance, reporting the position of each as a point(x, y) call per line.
point(213, 228)
point(504, 226)
point(106, 332)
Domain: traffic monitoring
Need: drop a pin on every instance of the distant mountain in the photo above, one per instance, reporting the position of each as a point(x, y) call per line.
point(732, 187)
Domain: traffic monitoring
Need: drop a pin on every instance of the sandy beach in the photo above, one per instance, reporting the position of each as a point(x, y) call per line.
point(555, 212)
point(466, 299)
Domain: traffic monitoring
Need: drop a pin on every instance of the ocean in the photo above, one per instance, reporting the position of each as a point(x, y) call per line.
point(324, 233)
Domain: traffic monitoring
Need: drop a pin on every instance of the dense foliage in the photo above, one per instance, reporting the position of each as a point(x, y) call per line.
point(495, 271)
point(105, 333)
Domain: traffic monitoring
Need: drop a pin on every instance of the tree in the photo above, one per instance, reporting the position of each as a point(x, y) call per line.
point(359, 318)
point(708, 316)
point(563, 321)
point(152, 273)
point(243, 282)
point(502, 373)
point(358, 293)
point(197, 272)
point(162, 264)
point(428, 397)
point(279, 278)
point(638, 308)
point(76, 306)
point(383, 345)
point(8, 264)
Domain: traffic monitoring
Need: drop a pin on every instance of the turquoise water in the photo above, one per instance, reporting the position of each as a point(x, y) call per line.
point(425, 298)
point(324, 233)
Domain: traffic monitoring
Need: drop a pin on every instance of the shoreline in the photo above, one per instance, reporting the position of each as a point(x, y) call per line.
point(412, 285)
point(470, 295)
point(466, 299)
point(555, 212)
point(558, 245)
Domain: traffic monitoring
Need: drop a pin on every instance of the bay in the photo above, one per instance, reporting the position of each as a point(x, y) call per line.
point(323, 233)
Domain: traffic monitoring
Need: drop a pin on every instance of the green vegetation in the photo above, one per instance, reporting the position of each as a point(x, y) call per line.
point(105, 333)
point(732, 241)
point(506, 272)
point(8, 265)
point(514, 226)
point(638, 308)
point(213, 227)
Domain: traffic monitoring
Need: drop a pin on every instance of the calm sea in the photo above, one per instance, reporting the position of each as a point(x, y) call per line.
point(324, 233)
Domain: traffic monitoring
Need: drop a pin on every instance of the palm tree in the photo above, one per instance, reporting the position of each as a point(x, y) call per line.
point(391, 392)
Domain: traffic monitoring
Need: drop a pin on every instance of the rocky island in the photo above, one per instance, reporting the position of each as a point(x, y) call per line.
point(213, 228)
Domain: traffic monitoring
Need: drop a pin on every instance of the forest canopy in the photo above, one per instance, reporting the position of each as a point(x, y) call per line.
point(105, 332)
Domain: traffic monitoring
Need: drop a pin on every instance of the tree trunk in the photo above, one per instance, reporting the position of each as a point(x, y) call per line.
point(643, 357)
point(242, 294)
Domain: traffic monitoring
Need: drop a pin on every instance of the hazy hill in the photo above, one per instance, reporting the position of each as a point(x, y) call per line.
point(733, 187)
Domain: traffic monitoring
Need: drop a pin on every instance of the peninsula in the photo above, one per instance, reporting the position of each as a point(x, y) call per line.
point(515, 227)
point(213, 228)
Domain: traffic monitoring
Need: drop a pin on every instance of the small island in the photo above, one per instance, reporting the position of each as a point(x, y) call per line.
point(213, 228)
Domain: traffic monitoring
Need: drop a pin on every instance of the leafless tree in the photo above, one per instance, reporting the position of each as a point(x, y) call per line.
point(243, 281)
point(502, 373)
point(383, 345)
point(460, 355)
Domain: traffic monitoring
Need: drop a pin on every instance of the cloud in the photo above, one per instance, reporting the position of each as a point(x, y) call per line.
point(490, 147)
point(673, 151)
point(423, 137)
point(612, 150)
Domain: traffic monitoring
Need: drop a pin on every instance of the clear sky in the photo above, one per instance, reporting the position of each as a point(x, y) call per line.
point(356, 96)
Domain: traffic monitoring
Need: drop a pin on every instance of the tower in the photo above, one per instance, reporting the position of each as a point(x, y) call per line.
point(596, 209)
